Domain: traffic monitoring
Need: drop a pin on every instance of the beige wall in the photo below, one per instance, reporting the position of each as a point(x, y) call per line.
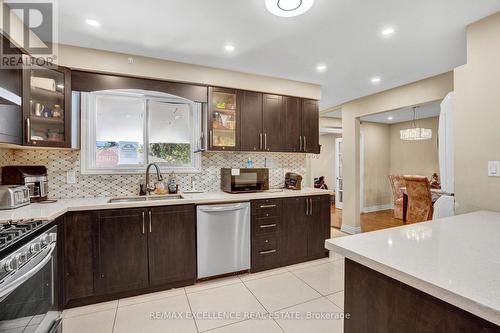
point(428, 90)
point(112, 62)
point(376, 140)
point(415, 157)
point(477, 116)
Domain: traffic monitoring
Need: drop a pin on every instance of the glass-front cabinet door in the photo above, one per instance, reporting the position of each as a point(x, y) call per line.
point(223, 119)
point(46, 106)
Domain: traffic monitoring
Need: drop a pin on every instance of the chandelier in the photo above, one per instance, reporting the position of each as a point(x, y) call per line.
point(415, 133)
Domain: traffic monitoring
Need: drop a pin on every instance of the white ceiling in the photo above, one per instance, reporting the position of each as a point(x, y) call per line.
point(428, 110)
point(343, 34)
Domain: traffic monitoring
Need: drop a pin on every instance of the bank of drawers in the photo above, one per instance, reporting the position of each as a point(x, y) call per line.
point(266, 233)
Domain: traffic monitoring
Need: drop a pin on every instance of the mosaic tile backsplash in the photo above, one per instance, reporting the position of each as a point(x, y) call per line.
point(58, 162)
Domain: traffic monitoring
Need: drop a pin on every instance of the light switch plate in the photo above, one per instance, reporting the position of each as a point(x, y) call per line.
point(493, 168)
point(71, 177)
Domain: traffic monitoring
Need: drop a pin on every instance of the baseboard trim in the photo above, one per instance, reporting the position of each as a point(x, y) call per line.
point(378, 208)
point(350, 229)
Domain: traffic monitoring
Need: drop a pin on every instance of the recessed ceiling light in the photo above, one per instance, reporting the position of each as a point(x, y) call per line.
point(390, 118)
point(229, 48)
point(321, 68)
point(93, 23)
point(376, 80)
point(388, 31)
point(288, 8)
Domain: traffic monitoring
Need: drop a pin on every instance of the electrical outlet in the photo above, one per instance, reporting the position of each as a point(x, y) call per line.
point(493, 168)
point(71, 177)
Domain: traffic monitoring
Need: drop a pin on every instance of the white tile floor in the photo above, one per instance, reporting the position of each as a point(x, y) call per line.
point(306, 297)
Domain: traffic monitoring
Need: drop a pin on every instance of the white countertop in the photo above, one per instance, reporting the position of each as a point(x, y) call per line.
point(50, 211)
point(456, 259)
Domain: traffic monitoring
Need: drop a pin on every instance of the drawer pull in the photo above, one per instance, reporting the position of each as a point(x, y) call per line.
point(264, 226)
point(267, 252)
point(267, 206)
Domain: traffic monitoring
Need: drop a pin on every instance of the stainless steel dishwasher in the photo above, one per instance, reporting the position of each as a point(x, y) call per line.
point(223, 239)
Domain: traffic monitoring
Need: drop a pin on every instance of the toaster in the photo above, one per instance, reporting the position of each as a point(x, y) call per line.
point(14, 196)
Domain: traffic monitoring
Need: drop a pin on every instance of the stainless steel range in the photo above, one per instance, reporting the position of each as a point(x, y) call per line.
point(28, 277)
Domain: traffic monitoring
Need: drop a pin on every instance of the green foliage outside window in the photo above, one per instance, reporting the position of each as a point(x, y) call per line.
point(171, 153)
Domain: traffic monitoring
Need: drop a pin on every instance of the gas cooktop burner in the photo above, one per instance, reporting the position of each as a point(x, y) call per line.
point(12, 231)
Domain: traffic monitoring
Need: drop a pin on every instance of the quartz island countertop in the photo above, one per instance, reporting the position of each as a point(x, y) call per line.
point(455, 259)
point(50, 211)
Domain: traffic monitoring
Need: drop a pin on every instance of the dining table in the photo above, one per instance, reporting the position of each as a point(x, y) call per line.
point(436, 193)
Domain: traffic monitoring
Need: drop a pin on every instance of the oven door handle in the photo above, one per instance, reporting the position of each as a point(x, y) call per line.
point(11, 286)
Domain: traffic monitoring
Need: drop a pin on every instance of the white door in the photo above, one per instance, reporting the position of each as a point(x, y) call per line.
point(339, 178)
point(339, 190)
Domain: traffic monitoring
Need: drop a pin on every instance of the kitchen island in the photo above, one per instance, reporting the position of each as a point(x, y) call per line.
point(437, 276)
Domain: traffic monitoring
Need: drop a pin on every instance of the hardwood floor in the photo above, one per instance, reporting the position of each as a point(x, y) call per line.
point(369, 221)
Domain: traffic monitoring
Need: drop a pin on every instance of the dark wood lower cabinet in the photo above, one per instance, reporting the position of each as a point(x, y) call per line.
point(317, 228)
point(377, 303)
point(295, 230)
point(111, 254)
point(77, 234)
point(118, 253)
point(122, 251)
point(172, 244)
point(289, 230)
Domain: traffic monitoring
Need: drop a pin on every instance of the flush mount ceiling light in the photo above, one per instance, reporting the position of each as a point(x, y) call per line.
point(415, 133)
point(92, 23)
point(390, 118)
point(288, 8)
point(321, 68)
point(229, 48)
point(376, 80)
point(388, 32)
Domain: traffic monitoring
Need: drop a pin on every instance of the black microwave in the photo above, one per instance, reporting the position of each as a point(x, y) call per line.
point(244, 180)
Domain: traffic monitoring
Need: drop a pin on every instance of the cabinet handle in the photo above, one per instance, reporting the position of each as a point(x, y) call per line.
point(311, 207)
point(211, 138)
point(267, 206)
point(265, 226)
point(305, 143)
point(260, 141)
point(143, 226)
point(300, 139)
point(267, 252)
point(265, 141)
point(28, 130)
point(150, 218)
point(307, 206)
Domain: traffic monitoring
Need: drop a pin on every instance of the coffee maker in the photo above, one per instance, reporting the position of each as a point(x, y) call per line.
point(33, 176)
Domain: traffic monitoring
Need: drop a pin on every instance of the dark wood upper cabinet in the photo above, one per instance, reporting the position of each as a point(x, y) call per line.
point(252, 138)
point(310, 126)
point(46, 104)
point(88, 81)
point(172, 244)
point(292, 124)
point(122, 251)
point(224, 116)
point(272, 121)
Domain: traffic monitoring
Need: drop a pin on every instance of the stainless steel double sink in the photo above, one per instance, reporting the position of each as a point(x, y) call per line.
point(146, 198)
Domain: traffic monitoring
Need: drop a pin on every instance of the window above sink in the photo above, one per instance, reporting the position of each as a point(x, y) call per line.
point(124, 130)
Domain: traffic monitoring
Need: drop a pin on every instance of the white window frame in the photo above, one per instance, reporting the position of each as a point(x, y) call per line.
point(88, 149)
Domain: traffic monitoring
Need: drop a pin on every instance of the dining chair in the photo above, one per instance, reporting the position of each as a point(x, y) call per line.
point(397, 182)
point(419, 194)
